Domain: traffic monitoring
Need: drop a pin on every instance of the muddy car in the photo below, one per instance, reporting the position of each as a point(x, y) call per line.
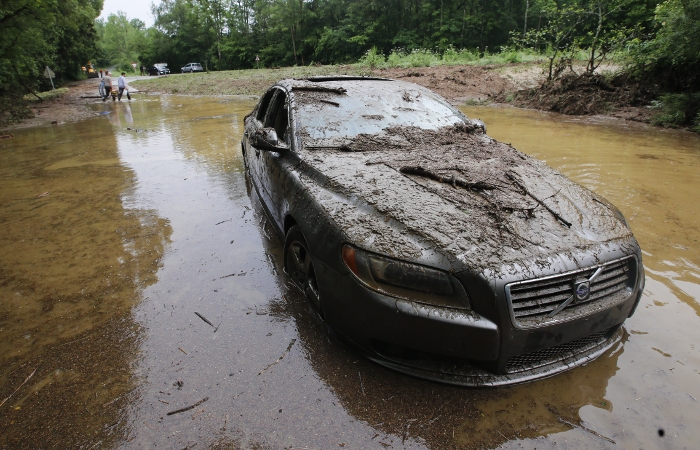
point(432, 248)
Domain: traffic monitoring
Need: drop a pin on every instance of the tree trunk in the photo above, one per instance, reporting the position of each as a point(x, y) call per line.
point(294, 46)
point(591, 61)
point(527, 9)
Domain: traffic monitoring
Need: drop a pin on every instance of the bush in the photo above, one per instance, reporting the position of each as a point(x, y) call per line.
point(679, 110)
point(48, 95)
point(453, 56)
point(372, 59)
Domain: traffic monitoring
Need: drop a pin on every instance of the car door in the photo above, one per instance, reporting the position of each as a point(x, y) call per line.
point(272, 164)
point(254, 155)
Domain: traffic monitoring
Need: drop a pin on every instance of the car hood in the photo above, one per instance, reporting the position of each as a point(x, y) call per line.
point(455, 192)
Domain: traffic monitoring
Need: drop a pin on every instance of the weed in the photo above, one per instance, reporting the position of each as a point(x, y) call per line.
point(48, 95)
point(678, 110)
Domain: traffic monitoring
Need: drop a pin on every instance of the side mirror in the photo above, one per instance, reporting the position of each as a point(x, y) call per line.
point(266, 139)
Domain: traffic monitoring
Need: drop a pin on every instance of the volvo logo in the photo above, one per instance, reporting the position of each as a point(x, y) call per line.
point(582, 290)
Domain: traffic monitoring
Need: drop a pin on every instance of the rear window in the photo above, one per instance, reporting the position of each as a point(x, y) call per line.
point(330, 119)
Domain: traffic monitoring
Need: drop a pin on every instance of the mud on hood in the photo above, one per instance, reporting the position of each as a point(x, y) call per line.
point(412, 193)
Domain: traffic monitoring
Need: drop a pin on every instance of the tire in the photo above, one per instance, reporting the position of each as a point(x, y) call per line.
point(300, 268)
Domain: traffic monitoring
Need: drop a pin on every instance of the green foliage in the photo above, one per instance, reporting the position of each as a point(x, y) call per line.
point(452, 56)
point(679, 110)
point(372, 59)
point(671, 60)
point(121, 41)
point(48, 95)
point(599, 28)
point(229, 35)
point(39, 33)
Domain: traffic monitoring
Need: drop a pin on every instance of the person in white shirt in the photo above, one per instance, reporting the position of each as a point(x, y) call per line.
point(121, 83)
point(108, 86)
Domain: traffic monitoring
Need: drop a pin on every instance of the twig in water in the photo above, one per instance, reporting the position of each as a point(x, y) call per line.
point(180, 348)
point(25, 380)
point(204, 319)
point(123, 395)
point(177, 411)
point(587, 429)
point(229, 275)
point(227, 220)
point(280, 358)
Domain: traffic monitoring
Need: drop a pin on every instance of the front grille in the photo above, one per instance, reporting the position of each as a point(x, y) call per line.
point(551, 355)
point(532, 301)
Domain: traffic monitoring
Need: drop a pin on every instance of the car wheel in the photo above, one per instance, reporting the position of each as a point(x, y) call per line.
point(298, 265)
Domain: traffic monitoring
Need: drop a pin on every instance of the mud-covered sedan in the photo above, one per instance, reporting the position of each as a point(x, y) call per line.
point(431, 247)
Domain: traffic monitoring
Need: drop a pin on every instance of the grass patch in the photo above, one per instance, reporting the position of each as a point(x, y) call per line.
point(402, 58)
point(48, 95)
point(236, 82)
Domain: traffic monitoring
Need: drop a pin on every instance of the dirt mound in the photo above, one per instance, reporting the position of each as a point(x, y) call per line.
point(456, 83)
point(585, 95)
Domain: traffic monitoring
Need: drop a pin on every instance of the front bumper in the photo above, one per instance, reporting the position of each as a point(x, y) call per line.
point(462, 347)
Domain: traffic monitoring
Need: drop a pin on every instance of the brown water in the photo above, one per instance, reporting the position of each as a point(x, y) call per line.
point(101, 278)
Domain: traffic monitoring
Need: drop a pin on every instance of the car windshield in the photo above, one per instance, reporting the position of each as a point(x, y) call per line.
point(332, 114)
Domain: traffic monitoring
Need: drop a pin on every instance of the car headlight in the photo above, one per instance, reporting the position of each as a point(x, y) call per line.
point(405, 280)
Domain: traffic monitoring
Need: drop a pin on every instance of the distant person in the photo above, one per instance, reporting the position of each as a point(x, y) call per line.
point(121, 83)
point(101, 89)
point(100, 73)
point(108, 85)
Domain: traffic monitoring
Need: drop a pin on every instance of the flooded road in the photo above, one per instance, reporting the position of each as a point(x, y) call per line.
point(121, 234)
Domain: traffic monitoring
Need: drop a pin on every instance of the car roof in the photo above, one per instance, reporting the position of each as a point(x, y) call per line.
point(326, 81)
point(353, 85)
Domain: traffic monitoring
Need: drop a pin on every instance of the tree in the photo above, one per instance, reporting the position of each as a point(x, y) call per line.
point(35, 34)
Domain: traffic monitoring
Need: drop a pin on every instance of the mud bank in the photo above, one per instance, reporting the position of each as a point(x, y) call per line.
point(578, 95)
point(516, 84)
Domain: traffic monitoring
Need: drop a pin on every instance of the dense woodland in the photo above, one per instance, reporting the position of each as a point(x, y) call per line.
point(659, 43)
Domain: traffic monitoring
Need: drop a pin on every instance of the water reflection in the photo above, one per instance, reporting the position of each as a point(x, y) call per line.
point(74, 262)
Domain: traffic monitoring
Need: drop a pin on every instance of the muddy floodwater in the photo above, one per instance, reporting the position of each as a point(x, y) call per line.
point(143, 302)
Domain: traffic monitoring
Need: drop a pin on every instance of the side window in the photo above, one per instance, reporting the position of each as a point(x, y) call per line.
point(279, 115)
point(262, 109)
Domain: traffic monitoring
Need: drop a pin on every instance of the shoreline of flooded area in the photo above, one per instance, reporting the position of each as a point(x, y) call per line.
point(125, 232)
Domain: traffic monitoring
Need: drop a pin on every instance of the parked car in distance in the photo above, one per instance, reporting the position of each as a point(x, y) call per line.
point(158, 69)
point(192, 67)
point(434, 249)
